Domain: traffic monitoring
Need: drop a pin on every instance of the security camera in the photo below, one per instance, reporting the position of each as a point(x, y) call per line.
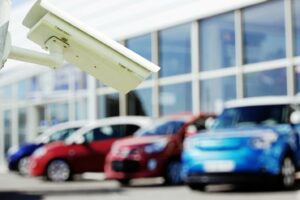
point(4, 37)
point(67, 39)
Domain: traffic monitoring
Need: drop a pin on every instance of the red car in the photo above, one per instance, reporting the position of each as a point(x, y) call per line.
point(85, 150)
point(153, 152)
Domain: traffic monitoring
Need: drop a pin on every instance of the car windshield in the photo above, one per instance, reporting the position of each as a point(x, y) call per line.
point(62, 134)
point(162, 128)
point(252, 116)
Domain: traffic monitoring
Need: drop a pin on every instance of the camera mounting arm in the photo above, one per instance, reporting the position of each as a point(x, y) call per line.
point(54, 59)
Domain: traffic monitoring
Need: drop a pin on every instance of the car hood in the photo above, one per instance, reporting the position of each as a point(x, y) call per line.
point(24, 149)
point(139, 141)
point(229, 139)
point(55, 145)
point(29, 146)
point(250, 132)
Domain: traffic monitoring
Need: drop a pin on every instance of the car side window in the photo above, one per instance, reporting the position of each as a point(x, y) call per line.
point(130, 129)
point(199, 124)
point(62, 135)
point(105, 132)
point(89, 136)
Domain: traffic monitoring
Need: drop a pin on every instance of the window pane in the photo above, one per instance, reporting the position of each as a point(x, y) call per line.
point(264, 32)
point(175, 98)
point(297, 26)
point(141, 45)
point(23, 89)
point(175, 50)
point(61, 78)
point(108, 105)
point(266, 83)
point(214, 92)
point(80, 79)
point(297, 71)
point(34, 87)
point(22, 120)
point(7, 129)
point(6, 93)
point(139, 102)
point(217, 42)
point(81, 109)
point(59, 113)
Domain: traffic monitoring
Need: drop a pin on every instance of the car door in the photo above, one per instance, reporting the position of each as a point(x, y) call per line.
point(98, 143)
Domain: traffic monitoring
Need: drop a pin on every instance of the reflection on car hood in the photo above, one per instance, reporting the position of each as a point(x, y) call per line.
point(26, 148)
point(248, 132)
point(28, 145)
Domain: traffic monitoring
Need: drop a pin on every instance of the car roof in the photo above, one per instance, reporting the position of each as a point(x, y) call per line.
point(262, 101)
point(66, 125)
point(140, 120)
point(137, 120)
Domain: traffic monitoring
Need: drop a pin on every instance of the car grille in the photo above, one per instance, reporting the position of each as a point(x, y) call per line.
point(125, 166)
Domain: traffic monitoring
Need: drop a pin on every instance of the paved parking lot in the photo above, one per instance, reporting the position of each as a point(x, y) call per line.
point(13, 187)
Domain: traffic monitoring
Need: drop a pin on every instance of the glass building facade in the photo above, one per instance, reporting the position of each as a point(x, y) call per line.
point(248, 52)
point(296, 18)
point(264, 32)
point(175, 50)
point(217, 42)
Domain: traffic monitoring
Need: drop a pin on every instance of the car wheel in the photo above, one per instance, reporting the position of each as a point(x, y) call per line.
point(124, 182)
point(287, 177)
point(58, 171)
point(173, 173)
point(23, 166)
point(196, 186)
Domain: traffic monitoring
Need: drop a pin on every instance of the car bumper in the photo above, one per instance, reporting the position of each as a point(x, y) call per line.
point(12, 165)
point(36, 167)
point(129, 168)
point(243, 160)
point(229, 178)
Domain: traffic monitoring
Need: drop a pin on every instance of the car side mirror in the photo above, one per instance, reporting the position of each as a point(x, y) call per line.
point(209, 122)
point(191, 130)
point(295, 117)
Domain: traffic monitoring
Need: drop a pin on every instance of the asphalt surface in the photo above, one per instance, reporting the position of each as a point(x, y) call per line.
point(14, 187)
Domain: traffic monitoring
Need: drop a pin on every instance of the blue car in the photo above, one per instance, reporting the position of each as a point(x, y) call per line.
point(246, 143)
point(17, 157)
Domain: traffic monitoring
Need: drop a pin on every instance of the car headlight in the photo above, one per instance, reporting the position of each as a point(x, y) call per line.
point(40, 152)
point(115, 149)
point(264, 141)
point(155, 147)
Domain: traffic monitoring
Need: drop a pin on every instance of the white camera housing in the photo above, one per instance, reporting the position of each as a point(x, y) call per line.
point(4, 37)
point(67, 39)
